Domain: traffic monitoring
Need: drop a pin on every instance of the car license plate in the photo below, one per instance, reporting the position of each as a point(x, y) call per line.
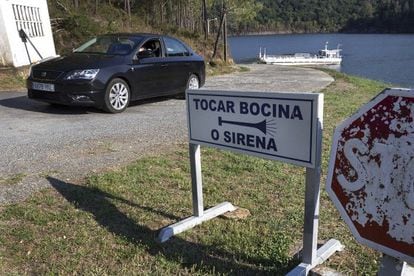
point(43, 86)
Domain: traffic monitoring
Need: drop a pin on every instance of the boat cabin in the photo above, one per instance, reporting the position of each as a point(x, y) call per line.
point(334, 53)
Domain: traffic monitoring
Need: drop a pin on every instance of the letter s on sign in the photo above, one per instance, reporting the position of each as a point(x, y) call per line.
point(353, 159)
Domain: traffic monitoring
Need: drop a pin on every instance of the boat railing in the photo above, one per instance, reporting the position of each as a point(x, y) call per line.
point(262, 55)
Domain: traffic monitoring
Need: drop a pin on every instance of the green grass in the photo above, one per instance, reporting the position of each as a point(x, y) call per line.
point(12, 180)
point(244, 69)
point(221, 68)
point(13, 79)
point(107, 225)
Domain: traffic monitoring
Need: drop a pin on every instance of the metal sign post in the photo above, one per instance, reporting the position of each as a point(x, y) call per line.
point(311, 256)
point(279, 126)
point(199, 214)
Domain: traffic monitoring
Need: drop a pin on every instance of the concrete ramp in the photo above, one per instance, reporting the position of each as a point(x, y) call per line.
point(263, 77)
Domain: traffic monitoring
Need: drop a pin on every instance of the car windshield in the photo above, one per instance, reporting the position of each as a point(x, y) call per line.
point(110, 45)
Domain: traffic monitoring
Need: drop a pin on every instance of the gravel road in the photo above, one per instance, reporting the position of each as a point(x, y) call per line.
point(70, 143)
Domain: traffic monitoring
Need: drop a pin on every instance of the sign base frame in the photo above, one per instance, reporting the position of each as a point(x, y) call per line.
point(188, 223)
point(200, 215)
point(322, 254)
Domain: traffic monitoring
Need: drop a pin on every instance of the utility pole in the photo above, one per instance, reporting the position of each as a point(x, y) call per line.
point(205, 20)
point(218, 34)
point(225, 32)
point(96, 6)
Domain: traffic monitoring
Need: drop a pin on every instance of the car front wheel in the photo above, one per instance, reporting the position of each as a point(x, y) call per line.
point(193, 82)
point(117, 96)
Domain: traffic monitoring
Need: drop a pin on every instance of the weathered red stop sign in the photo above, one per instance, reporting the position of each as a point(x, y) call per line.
point(371, 173)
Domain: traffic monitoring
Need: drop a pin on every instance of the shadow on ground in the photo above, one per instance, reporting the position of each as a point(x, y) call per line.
point(188, 253)
point(24, 103)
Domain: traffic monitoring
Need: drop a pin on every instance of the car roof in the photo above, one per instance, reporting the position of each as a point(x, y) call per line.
point(133, 34)
point(143, 35)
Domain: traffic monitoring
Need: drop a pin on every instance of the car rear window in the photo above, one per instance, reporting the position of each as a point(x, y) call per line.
point(175, 48)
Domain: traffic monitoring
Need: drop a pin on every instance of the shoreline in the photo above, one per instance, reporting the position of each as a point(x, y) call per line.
point(310, 33)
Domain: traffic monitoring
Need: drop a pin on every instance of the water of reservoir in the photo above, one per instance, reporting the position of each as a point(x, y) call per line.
point(388, 58)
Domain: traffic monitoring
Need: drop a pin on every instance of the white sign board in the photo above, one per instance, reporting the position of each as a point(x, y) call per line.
point(278, 126)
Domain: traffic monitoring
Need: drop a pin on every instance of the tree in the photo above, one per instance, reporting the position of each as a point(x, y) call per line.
point(223, 14)
point(205, 19)
point(127, 7)
point(238, 11)
point(96, 6)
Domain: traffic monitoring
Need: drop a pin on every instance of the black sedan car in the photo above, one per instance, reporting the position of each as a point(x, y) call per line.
point(111, 70)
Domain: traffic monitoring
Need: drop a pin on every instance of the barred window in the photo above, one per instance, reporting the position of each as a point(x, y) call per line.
point(28, 19)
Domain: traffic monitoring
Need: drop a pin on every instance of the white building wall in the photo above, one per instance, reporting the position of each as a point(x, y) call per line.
point(33, 17)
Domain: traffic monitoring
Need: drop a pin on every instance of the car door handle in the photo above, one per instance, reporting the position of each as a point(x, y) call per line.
point(164, 65)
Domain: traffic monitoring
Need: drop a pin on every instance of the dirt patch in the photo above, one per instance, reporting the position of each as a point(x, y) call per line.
point(343, 86)
point(239, 213)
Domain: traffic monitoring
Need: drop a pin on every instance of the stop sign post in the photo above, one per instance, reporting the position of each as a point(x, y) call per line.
point(371, 175)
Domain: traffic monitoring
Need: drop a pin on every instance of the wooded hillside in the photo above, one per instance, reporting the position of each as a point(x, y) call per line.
point(75, 20)
point(389, 16)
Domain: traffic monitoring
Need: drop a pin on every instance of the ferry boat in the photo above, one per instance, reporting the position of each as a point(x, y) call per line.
point(324, 57)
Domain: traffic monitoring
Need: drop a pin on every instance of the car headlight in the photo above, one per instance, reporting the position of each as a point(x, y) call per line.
point(87, 74)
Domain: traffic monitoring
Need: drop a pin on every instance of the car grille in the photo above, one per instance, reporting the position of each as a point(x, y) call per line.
point(46, 74)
